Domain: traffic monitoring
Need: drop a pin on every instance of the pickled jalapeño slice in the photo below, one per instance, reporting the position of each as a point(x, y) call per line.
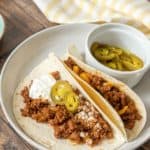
point(59, 91)
point(72, 102)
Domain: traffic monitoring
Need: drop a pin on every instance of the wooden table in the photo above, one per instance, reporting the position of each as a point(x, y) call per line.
point(22, 20)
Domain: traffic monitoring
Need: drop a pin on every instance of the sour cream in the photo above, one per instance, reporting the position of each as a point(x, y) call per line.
point(41, 87)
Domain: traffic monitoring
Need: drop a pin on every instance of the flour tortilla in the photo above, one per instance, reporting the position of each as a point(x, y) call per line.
point(104, 104)
point(43, 133)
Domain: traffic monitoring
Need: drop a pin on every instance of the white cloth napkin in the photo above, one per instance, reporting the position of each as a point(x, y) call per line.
point(132, 12)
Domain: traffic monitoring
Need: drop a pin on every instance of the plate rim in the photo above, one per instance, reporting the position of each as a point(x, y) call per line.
point(3, 25)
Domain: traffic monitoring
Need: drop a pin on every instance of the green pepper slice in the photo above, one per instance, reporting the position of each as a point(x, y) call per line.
point(71, 102)
point(59, 91)
point(102, 57)
point(94, 46)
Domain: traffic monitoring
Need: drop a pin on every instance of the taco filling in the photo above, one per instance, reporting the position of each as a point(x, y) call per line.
point(121, 102)
point(70, 114)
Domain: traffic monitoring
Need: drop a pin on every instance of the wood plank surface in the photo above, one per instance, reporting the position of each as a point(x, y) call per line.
point(22, 19)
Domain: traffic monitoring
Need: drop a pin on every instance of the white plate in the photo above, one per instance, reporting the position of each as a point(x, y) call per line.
point(34, 49)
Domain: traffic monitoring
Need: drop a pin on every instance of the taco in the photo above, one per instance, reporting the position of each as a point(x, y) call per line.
point(123, 106)
point(53, 109)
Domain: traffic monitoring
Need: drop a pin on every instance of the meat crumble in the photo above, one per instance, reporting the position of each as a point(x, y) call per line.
point(56, 75)
point(122, 103)
point(86, 125)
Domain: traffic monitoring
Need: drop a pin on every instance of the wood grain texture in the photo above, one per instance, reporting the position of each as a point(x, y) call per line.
point(9, 140)
point(22, 19)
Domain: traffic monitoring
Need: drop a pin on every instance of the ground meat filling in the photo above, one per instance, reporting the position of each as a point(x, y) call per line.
point(84, 126)
point(56, 75)
point(118, 99)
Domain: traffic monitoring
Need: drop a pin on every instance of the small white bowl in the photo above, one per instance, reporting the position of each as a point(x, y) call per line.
point(122, 36)
point(2, 26)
